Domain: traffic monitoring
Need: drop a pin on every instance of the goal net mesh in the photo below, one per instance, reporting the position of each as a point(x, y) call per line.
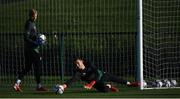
point(161, 41)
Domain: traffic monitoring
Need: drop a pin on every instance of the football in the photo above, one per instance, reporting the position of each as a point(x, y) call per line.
point(173, 83)
point(159, 83)
point(43, 38)
point(144, 84)
point(167, 83)
point(59, 89)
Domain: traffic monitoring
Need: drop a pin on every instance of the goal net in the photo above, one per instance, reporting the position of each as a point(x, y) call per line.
point(160, 43)
point(103, 31)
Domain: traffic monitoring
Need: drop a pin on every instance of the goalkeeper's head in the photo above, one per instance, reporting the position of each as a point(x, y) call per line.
point(79, 63)
point(33, 14)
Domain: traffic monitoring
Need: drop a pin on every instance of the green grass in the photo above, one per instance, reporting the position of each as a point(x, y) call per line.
point(125, 92)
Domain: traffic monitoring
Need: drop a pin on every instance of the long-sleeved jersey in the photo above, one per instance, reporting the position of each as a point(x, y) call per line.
point(88, 74)
point(31, 36)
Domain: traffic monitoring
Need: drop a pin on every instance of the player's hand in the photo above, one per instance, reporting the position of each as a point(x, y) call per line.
point(64, 85)
point(89, 85)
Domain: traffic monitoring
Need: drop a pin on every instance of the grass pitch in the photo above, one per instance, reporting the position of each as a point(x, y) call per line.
point(125, 92)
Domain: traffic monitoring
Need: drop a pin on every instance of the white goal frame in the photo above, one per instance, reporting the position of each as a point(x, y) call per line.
point(140, 41)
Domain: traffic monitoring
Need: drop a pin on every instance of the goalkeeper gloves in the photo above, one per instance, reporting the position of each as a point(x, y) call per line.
point(89, 85)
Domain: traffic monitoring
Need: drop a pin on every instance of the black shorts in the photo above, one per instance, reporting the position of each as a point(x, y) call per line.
point(101, 86)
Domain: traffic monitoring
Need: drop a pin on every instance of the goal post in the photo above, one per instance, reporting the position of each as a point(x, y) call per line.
point(158, 44)
point(140, 42)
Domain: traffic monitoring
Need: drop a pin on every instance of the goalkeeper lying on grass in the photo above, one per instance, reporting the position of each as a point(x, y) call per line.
point(86, 71)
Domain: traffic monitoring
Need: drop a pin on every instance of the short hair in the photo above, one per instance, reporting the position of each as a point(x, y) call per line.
point(77, 58)
point(32, 12)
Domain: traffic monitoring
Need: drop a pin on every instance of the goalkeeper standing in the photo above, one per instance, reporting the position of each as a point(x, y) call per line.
point(32, 53)
point(94, 78)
